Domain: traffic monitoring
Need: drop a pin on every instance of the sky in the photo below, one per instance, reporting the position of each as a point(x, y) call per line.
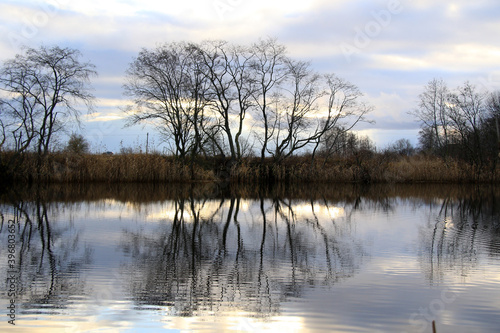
point(390, 49)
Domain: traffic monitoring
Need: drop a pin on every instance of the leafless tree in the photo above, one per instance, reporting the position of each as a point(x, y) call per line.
point(493, 105)
point(43, 89)
point(168, 90)
point(458, 123)
point(344, 111)
point(232, 83)
point(316, 107)
point(270, 69)
point(467, 113)
point(432, 111)
point(218, 92)
point(466, 108)
point(4, 136)
point(295, 110)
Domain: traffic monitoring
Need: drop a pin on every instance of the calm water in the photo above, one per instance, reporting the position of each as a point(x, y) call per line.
point(178, 259)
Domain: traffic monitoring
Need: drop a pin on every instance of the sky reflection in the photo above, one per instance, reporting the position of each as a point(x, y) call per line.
point(360, 262)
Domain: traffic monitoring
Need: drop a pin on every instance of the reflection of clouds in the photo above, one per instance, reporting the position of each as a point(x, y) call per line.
point(276, 265)
point(241, 321)
point(207, 209)
point(168, 211)
point(307, 210)
point(75, 321)
point(109, 209)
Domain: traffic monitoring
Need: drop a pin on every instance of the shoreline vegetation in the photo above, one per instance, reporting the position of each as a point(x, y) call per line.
point(242, 114)
point(156, 168)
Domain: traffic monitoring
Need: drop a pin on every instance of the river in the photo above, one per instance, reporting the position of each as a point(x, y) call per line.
point(212, 258)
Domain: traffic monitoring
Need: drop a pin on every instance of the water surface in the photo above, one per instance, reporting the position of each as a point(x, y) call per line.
point(143, 258)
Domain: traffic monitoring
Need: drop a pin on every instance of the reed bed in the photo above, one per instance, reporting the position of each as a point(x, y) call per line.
point(73, 168)
point(156, 168)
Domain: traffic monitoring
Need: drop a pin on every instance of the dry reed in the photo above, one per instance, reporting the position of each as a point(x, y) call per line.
point(155, 168)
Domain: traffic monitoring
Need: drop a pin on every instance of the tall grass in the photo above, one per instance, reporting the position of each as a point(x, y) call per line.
point(75, 168)
point(155, 168)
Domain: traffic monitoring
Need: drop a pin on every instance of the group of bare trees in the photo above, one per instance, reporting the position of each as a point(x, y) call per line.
point(40, 91)
point(208, 99)
point(221, 99)
point(217, 98)
point(461, 123)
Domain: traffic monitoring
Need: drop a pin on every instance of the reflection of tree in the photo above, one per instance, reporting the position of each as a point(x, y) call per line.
point(47, 269)
point(457, 231)
point(246, 255)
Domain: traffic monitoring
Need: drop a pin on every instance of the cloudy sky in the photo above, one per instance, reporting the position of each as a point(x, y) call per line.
point(389, 48)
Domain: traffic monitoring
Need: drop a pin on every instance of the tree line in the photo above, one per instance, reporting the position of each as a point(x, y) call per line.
point(219, 99)
point(460, 123)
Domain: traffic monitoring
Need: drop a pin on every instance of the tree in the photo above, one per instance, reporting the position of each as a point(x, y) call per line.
point(4, 136)
point(432, 111)
point(467, 113)
point(460, 123)
point(43, 89)
point(77, 144)
point(344, 111)
point(209, 97)
point(295, 109)
point(270, 67)
point(228, 70)
point(168, 89)
point(401, 147)
point(493, 107)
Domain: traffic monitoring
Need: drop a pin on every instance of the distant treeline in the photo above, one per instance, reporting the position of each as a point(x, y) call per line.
point(460, 123)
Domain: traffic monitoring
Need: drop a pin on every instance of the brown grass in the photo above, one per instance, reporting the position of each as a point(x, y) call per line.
point(74, 168)
point(155, 168)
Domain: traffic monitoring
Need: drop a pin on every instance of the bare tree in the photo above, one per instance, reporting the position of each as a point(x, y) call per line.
point(4, 135)
point(316, 107)
point(493, 106)
point(169, 91)
point(295, 110)
point(433, 113)
point(458, 123)
point(228, 71)
point(467, 113)
point(236, 89)
point(344, 111)
point(44, 88)
point(270, 70)
point(401, 147)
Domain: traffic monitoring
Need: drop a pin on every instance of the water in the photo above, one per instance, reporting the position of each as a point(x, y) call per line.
point(138, 258)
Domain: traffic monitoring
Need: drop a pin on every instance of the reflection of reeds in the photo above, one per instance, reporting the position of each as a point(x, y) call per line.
point(348, 193)
point(373, 168)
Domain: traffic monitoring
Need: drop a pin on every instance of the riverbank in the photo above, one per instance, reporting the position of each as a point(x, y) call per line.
point(373, 168)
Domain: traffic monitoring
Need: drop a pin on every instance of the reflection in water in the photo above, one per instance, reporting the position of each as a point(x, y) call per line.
point(213, 256)
point(48, 258)
point(457, 232)
point(349, 259)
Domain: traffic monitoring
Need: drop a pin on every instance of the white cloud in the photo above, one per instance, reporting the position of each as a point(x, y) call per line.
point(457, 57)
point(453, 40)
point(100, 116)
point(391, 104)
